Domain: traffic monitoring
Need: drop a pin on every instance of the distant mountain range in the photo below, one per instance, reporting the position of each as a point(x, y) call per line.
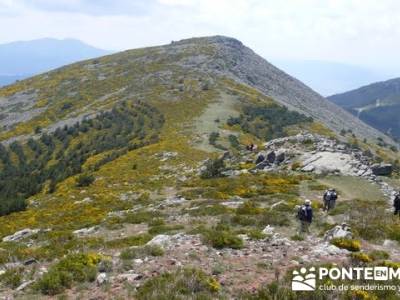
point(22, 59)
point(377, 104)
point(328, 78)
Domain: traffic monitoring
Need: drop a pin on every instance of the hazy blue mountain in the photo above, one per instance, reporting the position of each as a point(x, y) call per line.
point(377, 104)
point(8, 79)
point(25, 58)
point(329, 78)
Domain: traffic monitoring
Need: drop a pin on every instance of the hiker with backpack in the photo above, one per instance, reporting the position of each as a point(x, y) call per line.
point(329, 198)
point(396, 204)
point(305, 216)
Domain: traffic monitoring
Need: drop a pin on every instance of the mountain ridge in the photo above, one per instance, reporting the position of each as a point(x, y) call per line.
point(377, 104)
point(225, 56)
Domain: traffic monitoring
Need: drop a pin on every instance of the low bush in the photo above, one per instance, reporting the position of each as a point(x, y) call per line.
point(222, 237)
point(209, 210)
point(159, 229)
point(213, 168)
point(135, 240)
point(84, 180)
point(72, 268)
point(12, 278)
point(140, 252)
point(348, 244)
point(360, 258)
point(187, 283)
point(379, 254)
point(255, 234)
point(249, 208)
point(140, 217)
point(297, 237)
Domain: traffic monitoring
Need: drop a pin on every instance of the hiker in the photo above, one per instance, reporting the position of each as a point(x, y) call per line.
point(396, 204)
point(305, 215)
point(251, 147)
point(330, 197)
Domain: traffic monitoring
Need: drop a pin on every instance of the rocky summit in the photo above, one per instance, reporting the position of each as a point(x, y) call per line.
point(180, 172)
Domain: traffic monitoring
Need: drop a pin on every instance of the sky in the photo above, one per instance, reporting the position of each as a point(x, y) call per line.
point(358, 32)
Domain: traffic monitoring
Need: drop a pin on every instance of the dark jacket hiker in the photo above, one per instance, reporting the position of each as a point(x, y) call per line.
point(305, 215)
point(330, 197)
point(396, 204)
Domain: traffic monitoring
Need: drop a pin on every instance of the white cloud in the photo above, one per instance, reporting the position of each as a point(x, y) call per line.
point(365, 32)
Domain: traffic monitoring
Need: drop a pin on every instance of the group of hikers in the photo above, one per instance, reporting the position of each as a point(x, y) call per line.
point(305, 211)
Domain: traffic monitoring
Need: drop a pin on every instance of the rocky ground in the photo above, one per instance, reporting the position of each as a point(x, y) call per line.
point(263, 259)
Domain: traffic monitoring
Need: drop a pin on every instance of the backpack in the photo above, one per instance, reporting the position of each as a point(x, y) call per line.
point(330, 195)
point(302, 213)
point(396, 202)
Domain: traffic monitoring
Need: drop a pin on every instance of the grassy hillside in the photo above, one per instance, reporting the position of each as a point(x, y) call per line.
point(126, 148)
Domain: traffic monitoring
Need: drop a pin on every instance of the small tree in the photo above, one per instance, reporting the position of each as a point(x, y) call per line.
point(84, 180)
point(214, 168)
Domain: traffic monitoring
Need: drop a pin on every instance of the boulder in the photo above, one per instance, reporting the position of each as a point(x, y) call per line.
point(260, 158)
point(271, 156)
point(19, 235)
point(29, 261)
point(339, 231)
point(174, 200)
point(382, 169)
point(269, 230)
point(308, 168)
point(390, 244)
point(162, 240)
point(280, 157)
point(262, 165)
point(101, 279)
point(326, 249)
point(85, 231)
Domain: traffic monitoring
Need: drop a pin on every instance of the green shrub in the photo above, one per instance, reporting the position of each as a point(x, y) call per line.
point(139, 252)
point(73, 268)
point(213, 137)
point(297, 237)
point(267, 121)
point(234, 142)
point(183, 284)
point(53, 283)
point(213, 168)
point(271, 291)
point(256, 234)
point(359, 257)
point(156, 222)
point(209, 210)
point(159, 229)
point(135, 240)
point(348, 244)
point(244, 220)
point(84, 180)
point(370, 221)
point(222, 239)
point(140, 217)
point(249, 208)
point(379, 254)
point(12, 278)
